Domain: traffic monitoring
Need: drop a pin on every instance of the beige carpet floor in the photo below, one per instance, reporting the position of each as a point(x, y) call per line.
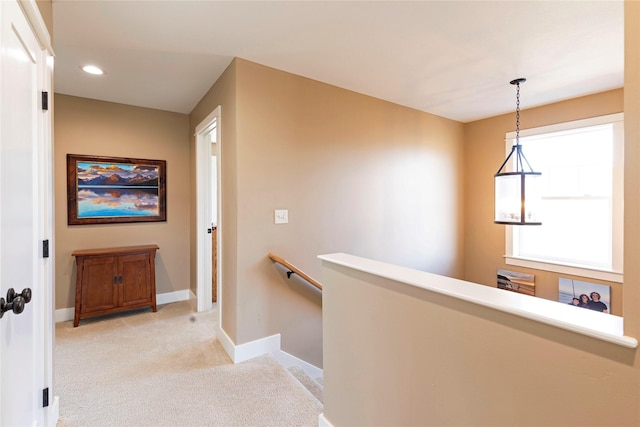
point(167, 369)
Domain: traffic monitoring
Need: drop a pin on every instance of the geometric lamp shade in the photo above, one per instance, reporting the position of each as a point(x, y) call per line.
point(517, 198)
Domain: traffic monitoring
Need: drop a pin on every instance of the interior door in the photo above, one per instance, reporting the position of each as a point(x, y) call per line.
point(21, 335)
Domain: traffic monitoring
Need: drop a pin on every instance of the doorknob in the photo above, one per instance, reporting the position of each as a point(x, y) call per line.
point(25, 294)
point(15, 302)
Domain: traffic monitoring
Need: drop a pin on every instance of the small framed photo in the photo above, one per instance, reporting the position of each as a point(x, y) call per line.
point(593, 296)
point(107, 190)
point(522, 283)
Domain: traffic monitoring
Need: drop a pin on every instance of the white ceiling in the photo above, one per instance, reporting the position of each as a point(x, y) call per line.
point(450, 58)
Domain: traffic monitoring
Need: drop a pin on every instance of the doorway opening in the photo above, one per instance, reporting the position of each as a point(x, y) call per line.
point(209, 212)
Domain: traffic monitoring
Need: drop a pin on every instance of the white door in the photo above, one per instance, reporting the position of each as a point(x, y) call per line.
point(208, 137)
point(22, 336)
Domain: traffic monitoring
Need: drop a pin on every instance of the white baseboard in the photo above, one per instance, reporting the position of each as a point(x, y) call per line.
point(250, 350)
point(193, 300)
point(269, 345)
point(323, 421)
point(169, 297)
point(287, 360)
point(65, 314)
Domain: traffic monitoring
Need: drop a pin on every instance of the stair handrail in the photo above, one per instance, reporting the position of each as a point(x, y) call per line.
point(293, 269)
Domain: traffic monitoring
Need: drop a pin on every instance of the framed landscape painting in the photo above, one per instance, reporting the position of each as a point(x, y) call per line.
point(107, 190)
point(522, 283)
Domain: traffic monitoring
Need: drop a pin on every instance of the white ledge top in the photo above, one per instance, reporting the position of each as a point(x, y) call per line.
point(602, 326)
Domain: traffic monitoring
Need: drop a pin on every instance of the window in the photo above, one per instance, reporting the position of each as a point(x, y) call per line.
point(582, 199)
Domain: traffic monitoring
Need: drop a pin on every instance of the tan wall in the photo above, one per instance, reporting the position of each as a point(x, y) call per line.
point(411, 357)
point(357, 175)
point(84, 126)
point(631, 301)
point(484, 152)
point(223, 94)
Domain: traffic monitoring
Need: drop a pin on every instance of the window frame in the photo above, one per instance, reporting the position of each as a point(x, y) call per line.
point(615, 274)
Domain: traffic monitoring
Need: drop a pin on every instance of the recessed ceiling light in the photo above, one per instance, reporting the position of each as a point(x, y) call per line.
point(92, 69)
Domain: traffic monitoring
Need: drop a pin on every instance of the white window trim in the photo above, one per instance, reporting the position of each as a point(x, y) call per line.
point(616, 274)
point(592, 273)
point(593, 121)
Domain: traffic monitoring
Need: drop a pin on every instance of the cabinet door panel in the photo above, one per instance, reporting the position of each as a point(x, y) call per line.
point(99, 290)
point(136, 272)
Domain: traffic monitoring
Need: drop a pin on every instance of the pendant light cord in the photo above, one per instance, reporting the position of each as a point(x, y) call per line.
point(520, 159)
point(519, 165)
point(518, 113)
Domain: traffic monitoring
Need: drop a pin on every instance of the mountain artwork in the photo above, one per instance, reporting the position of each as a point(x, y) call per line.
point(114, 191)
point(117, 189)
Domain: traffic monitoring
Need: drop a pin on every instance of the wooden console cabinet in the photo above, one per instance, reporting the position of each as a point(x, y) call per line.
point(114, 279)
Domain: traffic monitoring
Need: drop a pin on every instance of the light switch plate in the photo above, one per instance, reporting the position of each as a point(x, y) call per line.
point(281, 216)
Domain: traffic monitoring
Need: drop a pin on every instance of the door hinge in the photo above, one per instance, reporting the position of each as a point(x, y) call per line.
point(45, 101)
point(45, 248)
point(45, 397)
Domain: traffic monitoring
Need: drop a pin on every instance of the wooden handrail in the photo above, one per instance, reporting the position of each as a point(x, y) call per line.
point(293, 269)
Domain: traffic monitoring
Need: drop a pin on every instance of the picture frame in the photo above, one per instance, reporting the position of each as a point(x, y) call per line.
point(583, 294)
point(514, 281)
point(109, 190)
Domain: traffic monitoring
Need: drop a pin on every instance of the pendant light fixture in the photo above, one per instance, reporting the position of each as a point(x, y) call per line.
point(517, 193)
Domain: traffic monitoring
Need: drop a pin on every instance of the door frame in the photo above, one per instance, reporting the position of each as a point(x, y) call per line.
point(43, 304)
point(203, 213)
